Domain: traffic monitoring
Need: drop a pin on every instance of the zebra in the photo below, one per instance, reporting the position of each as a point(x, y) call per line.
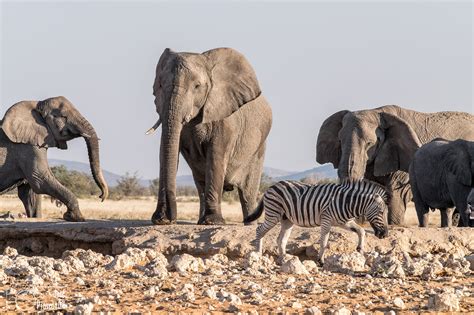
point(292, 202)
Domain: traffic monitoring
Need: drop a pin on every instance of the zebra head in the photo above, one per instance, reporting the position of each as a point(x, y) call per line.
point(377, 216)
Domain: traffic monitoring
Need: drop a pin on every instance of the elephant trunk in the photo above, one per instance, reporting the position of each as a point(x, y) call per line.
point(169, 152)
point(92, 142)
point(353, 160)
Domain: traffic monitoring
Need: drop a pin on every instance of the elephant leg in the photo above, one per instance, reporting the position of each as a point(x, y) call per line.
point(459, 196)
point(422, 209)
point(215, 173)
point(30, 200)
point(249, 190)
point(44, 182)
point(200, 186)
point(447, 217)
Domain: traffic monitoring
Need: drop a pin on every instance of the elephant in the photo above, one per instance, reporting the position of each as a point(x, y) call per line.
point(28, 129)
point(442, 177)
point(212, 112)
point(379, 144)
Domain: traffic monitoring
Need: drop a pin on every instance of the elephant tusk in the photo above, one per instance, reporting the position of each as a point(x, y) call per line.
point(155, 126)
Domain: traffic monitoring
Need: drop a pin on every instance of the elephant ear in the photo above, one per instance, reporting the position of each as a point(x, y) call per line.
point(398, 148)
point(233, 83)
point(24, 124)
point(328, 146)
point(458, 162)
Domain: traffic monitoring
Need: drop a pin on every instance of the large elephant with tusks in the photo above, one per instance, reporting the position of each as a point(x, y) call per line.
point(213, 112)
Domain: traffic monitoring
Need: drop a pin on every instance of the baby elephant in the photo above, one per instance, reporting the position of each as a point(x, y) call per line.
point(28, 129)
point(442, 177)
point(291, 202)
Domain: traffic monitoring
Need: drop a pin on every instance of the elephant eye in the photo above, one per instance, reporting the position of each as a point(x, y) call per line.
point(197, 86)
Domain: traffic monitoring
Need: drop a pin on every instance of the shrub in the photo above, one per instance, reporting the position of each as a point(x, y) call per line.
point(79, 183)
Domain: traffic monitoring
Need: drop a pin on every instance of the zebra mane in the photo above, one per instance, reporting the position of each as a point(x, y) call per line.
point(377, 188)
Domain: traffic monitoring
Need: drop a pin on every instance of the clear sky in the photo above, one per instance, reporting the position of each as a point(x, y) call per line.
point(312, 59)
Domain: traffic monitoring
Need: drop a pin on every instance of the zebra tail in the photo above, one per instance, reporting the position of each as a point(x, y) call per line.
point(256, 214)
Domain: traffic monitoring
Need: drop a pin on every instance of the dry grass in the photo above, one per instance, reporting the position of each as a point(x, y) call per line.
point(142, 209)
point(126, 209)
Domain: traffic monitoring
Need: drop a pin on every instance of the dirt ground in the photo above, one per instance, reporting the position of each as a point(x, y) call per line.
point(129, 265)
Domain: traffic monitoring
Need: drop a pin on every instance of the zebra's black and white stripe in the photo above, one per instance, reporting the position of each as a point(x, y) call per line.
point(291, 202)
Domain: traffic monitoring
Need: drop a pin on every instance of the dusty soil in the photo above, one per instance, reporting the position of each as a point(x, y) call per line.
point(134, 266)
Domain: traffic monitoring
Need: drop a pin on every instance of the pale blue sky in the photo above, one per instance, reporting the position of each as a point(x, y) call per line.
point(311, 59)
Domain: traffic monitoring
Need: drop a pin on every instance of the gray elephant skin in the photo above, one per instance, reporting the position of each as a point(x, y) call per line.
point(442, 177)
point(28, 129)
point(380, 143)
point(212, 112)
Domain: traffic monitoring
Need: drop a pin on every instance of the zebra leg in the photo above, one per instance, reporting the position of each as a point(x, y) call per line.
point(323, 241)
point(263, 229)
point(286, 227)
point(353, 226)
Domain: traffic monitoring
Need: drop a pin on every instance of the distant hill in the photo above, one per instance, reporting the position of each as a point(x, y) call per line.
point(324, 171)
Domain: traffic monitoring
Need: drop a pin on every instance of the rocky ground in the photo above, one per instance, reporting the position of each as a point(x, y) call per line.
point(117, 266)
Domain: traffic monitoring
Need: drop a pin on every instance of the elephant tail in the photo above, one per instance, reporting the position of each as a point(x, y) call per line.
point(256, 214)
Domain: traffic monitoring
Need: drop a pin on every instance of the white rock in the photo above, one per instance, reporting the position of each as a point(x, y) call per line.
point(79, 281)
point(257, 298)
point(84, 309)
point(74, 264)
point(296, 305)
point(5, 261)
point(310, 265)
point(34, 280)
point(398, 302)
point(345, 263)
point(342, 310)
point(186, 263)
point(313, 310)
point(293, 265)
point(10, 252)
point(444, 302)
point(151, 292)
point(120, 262)
point(210, 293)
point(289, 283)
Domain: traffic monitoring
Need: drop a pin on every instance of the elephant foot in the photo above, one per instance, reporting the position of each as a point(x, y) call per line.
point(211, 219)
point(73, 216)
point(160, 219)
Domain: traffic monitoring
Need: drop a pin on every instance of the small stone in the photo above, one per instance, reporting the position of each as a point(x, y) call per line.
point(398, 302)
point(79, 281)
point(290, 283)
point(296, 305)
point(444, 302)
point(120, 262)
point(10, 252)
point(186, 263)
point(34, 280)
point(310, 265)
point(345, 263)
point(342, 310)
point(210, 293)
point(293, 265)
point(313, 311)
point(84, 309)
